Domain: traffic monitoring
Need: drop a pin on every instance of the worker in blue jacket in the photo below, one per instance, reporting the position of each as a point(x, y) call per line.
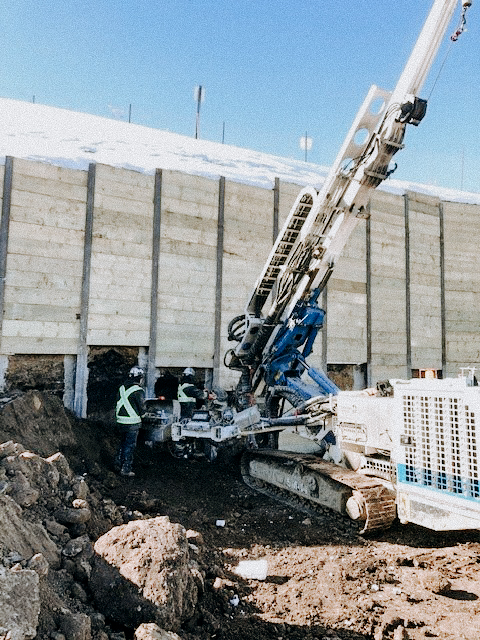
point(129, 411)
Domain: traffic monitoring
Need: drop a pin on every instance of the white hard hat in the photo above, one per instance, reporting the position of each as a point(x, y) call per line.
point(189, 371)
point(136, 372)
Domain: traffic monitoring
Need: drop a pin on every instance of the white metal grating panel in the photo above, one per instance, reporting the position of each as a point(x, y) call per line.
point(441, 427)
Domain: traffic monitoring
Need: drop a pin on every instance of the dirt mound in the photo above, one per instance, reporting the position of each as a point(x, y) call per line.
point(38, 421)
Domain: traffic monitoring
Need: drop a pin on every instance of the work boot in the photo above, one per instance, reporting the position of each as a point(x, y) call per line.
point(125, 471)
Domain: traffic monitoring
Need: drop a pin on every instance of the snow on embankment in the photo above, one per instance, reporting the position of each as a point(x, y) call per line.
point(71, 139)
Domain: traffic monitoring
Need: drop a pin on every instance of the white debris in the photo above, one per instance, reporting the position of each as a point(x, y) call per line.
point(252, 569)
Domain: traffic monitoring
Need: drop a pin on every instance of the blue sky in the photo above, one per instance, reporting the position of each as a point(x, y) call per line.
point(272, 70)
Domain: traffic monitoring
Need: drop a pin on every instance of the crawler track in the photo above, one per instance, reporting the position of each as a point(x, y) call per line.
point(313, 485)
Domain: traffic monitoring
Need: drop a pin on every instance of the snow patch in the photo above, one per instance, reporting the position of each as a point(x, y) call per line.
point(74, 140)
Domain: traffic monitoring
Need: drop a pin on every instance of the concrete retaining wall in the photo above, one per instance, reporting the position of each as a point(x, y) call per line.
point(404, 295)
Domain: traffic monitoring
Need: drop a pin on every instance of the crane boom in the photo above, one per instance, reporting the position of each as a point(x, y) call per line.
point(314, 234)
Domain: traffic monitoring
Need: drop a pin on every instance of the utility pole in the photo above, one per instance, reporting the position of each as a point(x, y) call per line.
point(199, 96)
point(306, 144)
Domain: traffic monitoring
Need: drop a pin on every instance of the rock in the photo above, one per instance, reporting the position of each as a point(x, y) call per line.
point(111, 511)
point(73, 547)
point(434, 581)
point(77, 556)
point(146, 563)
point(392, 624)
point(38, 563)
point(10, 448)
point(19, 603)
point(22, 492)
point(80, 488)
point(55, 528)
point(195, 537)
point(25, 538)
point(59, 462)
point(74, 626)
point(80, 504)
point(67, 515)
point(39, 472)
point(152, 631)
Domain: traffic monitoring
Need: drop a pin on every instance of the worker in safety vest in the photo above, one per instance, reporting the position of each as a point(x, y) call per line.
point(189, 395)
point(129, 410)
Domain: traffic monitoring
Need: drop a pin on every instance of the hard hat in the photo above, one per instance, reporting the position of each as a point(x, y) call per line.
point(189, 371)
point(136, 372)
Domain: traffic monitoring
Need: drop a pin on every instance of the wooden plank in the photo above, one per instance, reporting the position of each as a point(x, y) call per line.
point(55, 173)
point(38, 233)
point(28, 345)
point(108, 337)
point(34, 296)
point(41, 312)
point(48, 211)
point(128, 184)
point(124, 323)
point(113, 308)
point(108, 203)
point(51, 281)
point(348, 286)
point(52, 188)
point(45, 265)
point(203, 211)
point(40, 329)
point(119, 292)
point(31, 247)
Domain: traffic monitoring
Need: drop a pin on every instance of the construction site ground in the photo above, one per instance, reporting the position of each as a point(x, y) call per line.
point(322, 580)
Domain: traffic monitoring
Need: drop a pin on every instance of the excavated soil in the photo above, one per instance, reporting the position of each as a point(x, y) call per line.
point(322, 581)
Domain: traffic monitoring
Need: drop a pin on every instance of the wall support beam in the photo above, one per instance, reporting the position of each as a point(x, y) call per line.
point(324, 305)
point(408, 311)
point(157, 222)
point(4, 229)
point(276, 208)
point(443, 306)
point(219, 283)
point(368, 254)
point(81, 369)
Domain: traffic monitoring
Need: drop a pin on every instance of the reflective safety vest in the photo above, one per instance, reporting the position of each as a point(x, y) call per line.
point(132, 416)
point(182, 396)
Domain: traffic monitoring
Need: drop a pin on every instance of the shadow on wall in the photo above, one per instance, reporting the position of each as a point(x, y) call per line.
point(108, 368)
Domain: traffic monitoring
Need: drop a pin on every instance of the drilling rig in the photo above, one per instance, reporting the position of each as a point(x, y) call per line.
point(407, 448)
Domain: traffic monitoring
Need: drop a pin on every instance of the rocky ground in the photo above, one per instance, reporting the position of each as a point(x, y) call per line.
point(321, 581)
